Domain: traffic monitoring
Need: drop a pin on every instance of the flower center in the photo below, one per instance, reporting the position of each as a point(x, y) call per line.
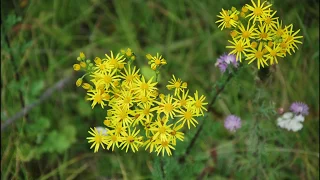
point(259, 54)
point(198, 104)
point(263, 35)
point(239, 48)
point(177, 84)
point(130, 139)
point(144, 86)
point(162, 130)
point(188, 115)
point(97, 98)
point(245, 34)
point(157, 62)
point(146, 111)
point(168, 107)
point(107, 79)
point(273, 53)
point(257, 11)
point(227, 18)
point(129, 78)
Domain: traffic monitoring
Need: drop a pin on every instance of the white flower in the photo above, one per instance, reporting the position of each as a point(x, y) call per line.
point(290, 121)
point(102, 130)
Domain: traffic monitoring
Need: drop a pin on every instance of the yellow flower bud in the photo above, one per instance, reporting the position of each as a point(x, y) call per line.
point(121, 66)
point(265, 51)
point(162, 96)
point(97, 60)
point(106, 97)
point(244, 9)
point(82, 56)
point(233, 9)
point(86, 86)
point(148, 56)
point(76, 67)
point(185, 85)
point(107, 122)
point(109, 113)
point(129, 52)
point(254, 45)
point(83, 64)
point(122, 51)
point(79, 82)
point(270, 43)
point(133, 58)
point(235, 17)
point(242, 14)
point(153, 67)
point(233, 33)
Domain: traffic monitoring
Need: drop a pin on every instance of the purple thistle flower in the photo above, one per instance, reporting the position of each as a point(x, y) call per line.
point(225, 60)
point(299, 108)
point(232, 123)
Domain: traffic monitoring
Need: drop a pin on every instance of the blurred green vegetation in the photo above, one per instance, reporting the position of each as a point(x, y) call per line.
point(40, 41)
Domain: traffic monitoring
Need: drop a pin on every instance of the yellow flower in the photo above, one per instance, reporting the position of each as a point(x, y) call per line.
point(227, 20)
point(164, 146)
point(258, 11)
point(246, 33)
point(143, 87)
point(106, 80)
point(176, 84)
point(187, 115)
point(145, 112)
point(97, 139)
point(257, 54)
point(129, 75)
point(76, 67)
point(96, 96)
point(182, 100)
point(274, 52)
point(82, 56)
point(175, 134)
point(156, 61)
point(269, 20)
point(161, 130)
point(167, 106)
point(115, 61)
point(263, 32)
point(122, 115)
point(199, 103)
point(291, 38)
point(113, 140)
point(131, 141)
point(239, 47)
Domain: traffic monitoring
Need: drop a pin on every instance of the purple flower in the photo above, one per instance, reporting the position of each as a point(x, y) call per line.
point(299, 108)
point(232, 123)
point(225, 60)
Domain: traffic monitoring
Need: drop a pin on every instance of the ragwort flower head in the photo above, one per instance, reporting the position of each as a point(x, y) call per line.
point(232, 123)
point(257, 34)
point(137, 114)
point(299, 108)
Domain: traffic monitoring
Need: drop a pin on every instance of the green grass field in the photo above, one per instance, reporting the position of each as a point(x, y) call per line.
point(40, 41)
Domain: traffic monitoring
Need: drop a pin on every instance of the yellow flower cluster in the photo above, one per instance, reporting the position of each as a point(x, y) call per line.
point(137, 114)
point(257, 34)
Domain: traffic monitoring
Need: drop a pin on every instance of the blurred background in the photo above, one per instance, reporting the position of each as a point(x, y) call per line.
point(40, 41)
